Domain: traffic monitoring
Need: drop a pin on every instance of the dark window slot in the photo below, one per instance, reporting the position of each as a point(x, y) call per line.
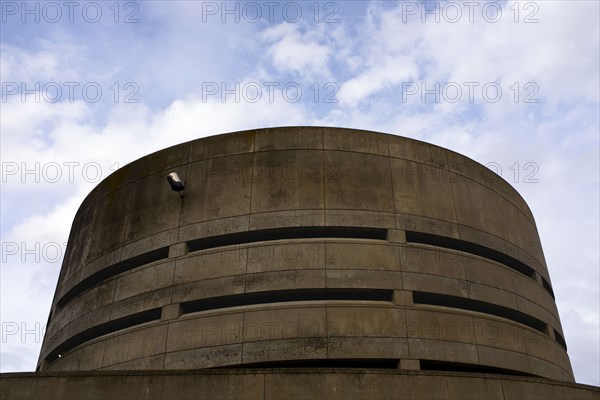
point(113, 270)
point(310, 232)
point(472, 248)
point(547, 286)
point(560, 340)
point(433, 365)
point(323, 363)
point(280, 296)
point(479, 306)
point(103, 329)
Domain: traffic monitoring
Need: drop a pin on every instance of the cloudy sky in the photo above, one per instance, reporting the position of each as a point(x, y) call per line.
point(90, 86)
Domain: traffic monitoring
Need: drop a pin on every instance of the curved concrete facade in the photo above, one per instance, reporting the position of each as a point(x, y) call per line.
point(306, 246)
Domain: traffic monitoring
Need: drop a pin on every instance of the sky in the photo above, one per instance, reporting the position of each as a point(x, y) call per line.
point(88, 87)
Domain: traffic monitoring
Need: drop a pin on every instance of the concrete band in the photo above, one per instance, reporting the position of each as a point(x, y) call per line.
point(264, 384)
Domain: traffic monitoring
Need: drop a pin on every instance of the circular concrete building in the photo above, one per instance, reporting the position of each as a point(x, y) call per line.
point(306, 247)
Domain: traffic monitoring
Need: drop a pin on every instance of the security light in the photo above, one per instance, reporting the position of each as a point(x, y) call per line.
point(175, 182)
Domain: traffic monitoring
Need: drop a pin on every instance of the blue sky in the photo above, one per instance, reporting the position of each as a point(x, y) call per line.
point(513, 85)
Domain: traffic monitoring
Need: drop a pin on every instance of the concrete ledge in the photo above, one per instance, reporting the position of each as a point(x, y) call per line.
point(277, 383)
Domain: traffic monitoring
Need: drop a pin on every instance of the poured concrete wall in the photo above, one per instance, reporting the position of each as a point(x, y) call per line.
point(261, 384)
point(276, 180)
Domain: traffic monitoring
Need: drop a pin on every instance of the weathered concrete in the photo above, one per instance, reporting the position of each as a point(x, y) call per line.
point(502, 316)
point(265, 384)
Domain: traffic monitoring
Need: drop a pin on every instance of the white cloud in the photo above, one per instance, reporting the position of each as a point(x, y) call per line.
point(561, 62)
point(300, 52)
point(51, 61)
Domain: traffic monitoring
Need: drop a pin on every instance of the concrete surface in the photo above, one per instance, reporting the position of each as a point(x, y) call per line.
point(292, 177)
point(343, 384)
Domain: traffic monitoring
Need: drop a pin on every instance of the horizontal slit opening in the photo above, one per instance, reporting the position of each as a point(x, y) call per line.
point(103, 329)
point(386, 363)
point(560, 339)
point(279, 296)
point(479, 306)
point(433, 365)
point(547, 286)
point(98, 277)
point(309, 232)
point(471, 248)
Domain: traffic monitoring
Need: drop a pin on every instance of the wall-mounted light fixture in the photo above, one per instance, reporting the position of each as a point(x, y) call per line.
point(176, 183)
